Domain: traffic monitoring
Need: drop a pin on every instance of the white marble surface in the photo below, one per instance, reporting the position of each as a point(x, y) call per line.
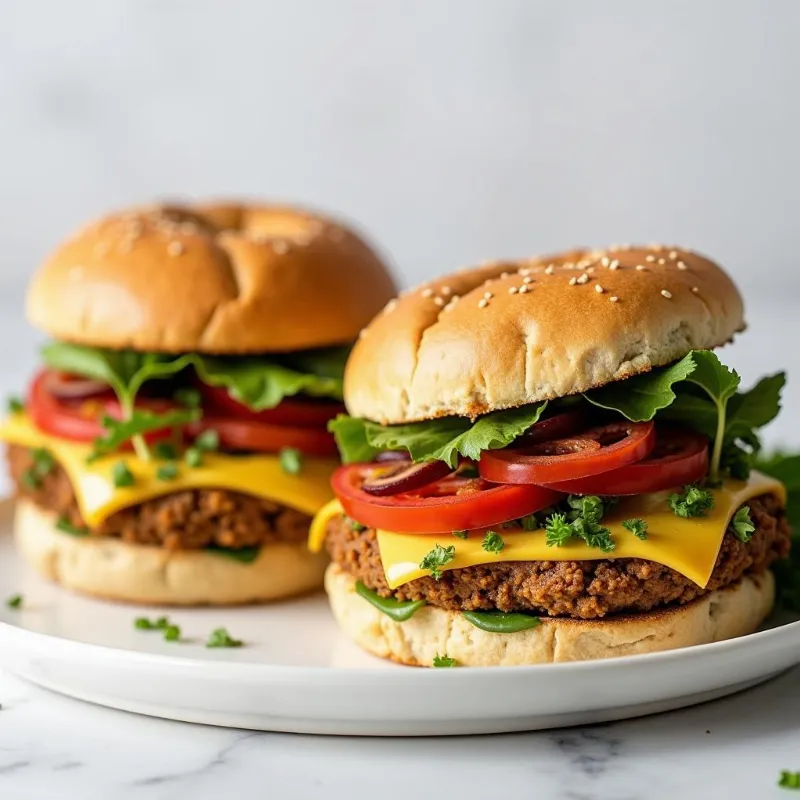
point(54, 747)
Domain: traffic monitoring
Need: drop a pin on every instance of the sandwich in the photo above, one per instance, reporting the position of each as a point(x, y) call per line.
point(546, 460)
point(172, 448)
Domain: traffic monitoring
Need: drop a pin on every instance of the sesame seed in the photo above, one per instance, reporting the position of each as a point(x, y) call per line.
point(605, 261)
point(673, 254)
point(503, 275)
point(390, 306)
point(549, 270)
point(524, 272)
point(695, 289)
point(614, 299)
point(523, 289)
point(483, 303)
point(512, 290)
point(573, 280)
point(583, 279)
point(613, 264)
point(662, 260)
point(526, 280)
point(280, 247)
point(446, 290)
point(175, 248)
point(650, 258)
point(363, 334)
point(427, 292)
point(487, 295)
point(590, 271)
point(598, 288)
point(438, 301)
point(641, 267)
point(666, 294)
point(681, 265)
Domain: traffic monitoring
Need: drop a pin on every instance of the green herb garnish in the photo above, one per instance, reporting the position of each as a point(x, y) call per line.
point(193, 457)
point(582, 521)
point(492, 542)
point(355, 525)
point(221, 638)
point(30, 480)
point(208, 440)
point(172, 633)
point(789, 780)
point(146, 624)
point(188, 397)
point(691, 502)
point(43, 461)
point(438, 557)
point(742, 524)
point(15, 601)
point(444, 661)
point(461, 534)
point(165, 451)
point(15, 405)
point(122, 475)
point(291, 460)
point(167, 472)
point(638, 527)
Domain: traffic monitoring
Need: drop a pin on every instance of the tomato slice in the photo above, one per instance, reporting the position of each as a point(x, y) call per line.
point(592, 452)
point(454, 503)
point(299, 412)
point(81, 420)
point(680, 457)
point(242, 434)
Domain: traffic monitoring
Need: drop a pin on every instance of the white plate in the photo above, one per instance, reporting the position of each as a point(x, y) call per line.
point(298, 674)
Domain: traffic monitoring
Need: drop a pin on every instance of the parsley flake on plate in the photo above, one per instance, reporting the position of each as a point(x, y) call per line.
point(220, 637)
point(15, 601)
point(444, 661)
point(789, 780)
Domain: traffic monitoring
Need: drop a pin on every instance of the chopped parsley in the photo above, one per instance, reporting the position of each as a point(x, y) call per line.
point(742, 524)
point(43, 461)
point(220, 637)
point(188, 397)
point(691, 502)
point(789, 780)
point(122, 475)
point(638, 527)
point(15, 405)
point(30, 480)
point(528, 523)
point(208, 440)
point(65, 526)
point(291, 460)
point(461, 534)
point(438, 557)
point(355, 525)
point(167, 472)
point(165, 451)
point(444, 661)
point(146, 624)
point(581, 520)
point(492, 542)
point(172, 633)
point(15, 601)
point(193, 457)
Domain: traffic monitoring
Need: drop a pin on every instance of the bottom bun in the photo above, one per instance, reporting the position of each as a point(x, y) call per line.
point(134, 573)
point(722, 614)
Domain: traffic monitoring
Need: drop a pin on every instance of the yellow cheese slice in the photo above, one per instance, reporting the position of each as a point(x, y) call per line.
point(98, 498)
point(689, 546)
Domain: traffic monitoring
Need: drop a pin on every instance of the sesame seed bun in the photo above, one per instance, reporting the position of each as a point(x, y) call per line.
point(225, 279)
point(723, 614)
point(506, 334)
point(150, 575)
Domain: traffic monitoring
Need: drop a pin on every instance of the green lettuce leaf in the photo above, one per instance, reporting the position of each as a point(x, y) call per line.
point(140, 422)
point(433, 440)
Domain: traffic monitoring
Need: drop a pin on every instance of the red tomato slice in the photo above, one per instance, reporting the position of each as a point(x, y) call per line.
point(592, 452)
point(455, 503)
point(81, 420)
point(302, 413)
point(680, 457)
point(242, 434)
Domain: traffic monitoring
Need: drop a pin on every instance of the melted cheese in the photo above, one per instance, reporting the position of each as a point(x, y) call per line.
point(98, 498)
point(689, 546)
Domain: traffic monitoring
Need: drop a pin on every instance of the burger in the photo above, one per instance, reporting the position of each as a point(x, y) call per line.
point(546, 461)
point(173, 447)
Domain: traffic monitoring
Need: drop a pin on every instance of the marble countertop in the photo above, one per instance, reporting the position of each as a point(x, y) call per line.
point(55, 747)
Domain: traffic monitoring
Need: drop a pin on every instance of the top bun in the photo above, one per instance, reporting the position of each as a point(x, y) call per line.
point(223, 279)
point(510, 333)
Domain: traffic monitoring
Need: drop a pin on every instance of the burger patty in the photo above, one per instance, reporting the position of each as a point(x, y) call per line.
point(186, 520)
point(579, 589)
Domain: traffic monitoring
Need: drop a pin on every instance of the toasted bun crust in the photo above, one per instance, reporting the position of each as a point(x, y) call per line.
point(512, 333)
point(115, 570)
point(723, 614)
point(221, 279)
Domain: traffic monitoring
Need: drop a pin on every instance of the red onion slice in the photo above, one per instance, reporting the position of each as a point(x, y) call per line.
point(401, 476)
point(70, 387)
